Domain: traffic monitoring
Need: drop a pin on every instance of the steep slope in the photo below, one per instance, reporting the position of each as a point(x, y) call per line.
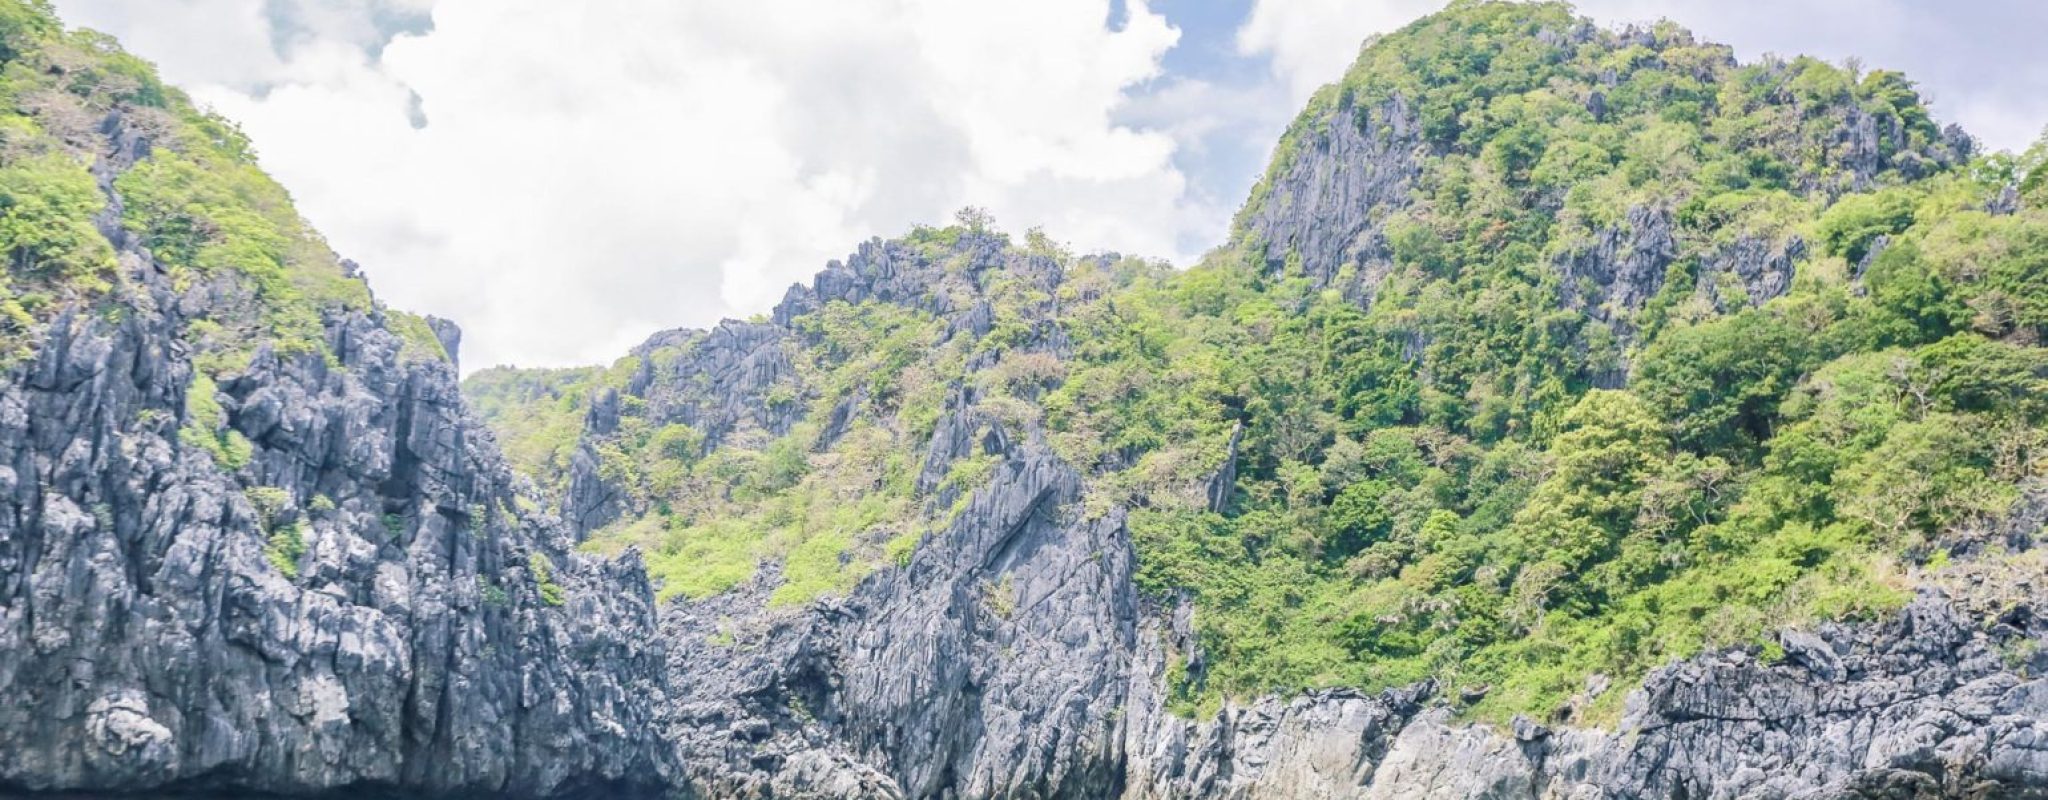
point(249, 538)
point(867, 415)
point(1574, 413)
point(1544, 357)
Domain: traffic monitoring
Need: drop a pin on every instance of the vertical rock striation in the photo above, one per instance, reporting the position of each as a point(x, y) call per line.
point(1927, 704)
point(361, 603)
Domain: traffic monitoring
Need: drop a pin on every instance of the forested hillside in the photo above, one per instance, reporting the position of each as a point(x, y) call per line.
point(1569, 412)
point(1541, 353)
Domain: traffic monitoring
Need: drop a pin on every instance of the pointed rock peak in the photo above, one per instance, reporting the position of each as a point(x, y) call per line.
point(1490, 122)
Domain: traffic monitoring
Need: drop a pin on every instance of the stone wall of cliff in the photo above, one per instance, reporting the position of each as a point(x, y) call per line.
point(364, 602)
point(360, 602)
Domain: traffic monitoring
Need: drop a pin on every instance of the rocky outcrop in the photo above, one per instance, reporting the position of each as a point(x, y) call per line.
point(356, 601)
point(717, 382)
point(739, 380)
point(1749, 271)
point(1622, 267)
point(151, 641)
point(992, 664)
point(1327, 202)
point(1936, 701)
point(1322, 744)
point(1927, 703)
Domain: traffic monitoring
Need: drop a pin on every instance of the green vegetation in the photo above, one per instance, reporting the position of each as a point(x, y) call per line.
point(543, 571)
point(286, 541)
point(828, 517)
point(1436, 487)
point(205, 210)
point(206, 426)
point(285, 546)
point(1733, 487)
point(46, 207)
point(412, 329)
point(226, 234)
point(493, 595)
point(537, 415)
point(1460, 463)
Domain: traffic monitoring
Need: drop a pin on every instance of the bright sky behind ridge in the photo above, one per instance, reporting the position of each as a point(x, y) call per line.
point(565, 178)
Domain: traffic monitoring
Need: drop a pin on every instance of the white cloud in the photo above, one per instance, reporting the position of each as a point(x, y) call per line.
point(591, 172)
point(210, 41)
point(1311, 42)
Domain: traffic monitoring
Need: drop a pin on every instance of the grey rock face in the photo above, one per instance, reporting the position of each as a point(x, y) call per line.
point(156, 631)
point(1328, 204)
point(1757, 268)
point(1020, 622)
point(738, 379)
point(151, 638)
point(450, 336)
point(1931, 703)
point(718, 385)
point(1317, 745)
point(1623, 267)
point(992, 664)
point(1924, 703)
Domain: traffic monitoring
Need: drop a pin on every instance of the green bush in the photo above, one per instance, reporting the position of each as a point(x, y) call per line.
point(46, 209)
point(1849, 228)
point(285, 547)
point(206, 426)
point(543, 572)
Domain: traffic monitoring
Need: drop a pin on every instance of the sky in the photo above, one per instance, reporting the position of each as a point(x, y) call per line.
point(565, 178)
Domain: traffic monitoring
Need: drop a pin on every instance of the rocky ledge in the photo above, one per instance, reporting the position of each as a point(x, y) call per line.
point(1934, 702)
point(351, 597)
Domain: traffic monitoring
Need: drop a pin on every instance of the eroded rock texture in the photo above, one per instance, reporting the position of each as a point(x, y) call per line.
point(1931, 703)
point(429, 636)
point(1010, 656)
point(992, 665)
point(156, 630)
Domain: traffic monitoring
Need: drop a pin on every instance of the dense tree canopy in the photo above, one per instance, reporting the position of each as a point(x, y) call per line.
point(1483, 454)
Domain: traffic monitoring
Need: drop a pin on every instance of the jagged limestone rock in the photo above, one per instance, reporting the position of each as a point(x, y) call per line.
point(155, 630)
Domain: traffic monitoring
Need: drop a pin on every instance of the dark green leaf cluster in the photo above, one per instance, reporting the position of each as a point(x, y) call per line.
point(248, 271)
point(1483, 454)
point(1498, 475)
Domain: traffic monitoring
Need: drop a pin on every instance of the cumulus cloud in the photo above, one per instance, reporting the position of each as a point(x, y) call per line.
point(564, 178)
point(1311, 42)
point(209, 41)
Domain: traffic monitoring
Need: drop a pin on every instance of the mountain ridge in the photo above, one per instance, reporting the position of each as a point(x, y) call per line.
point(1393, 228)
point(1681, 443)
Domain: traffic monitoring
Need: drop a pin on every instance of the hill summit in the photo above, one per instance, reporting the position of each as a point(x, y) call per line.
point(1572, 412)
